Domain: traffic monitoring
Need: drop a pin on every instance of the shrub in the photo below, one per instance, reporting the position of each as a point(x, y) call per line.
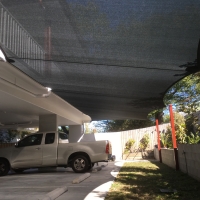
point(129, 146)
point(164, 140)
point(193, 138)
point(144, 142)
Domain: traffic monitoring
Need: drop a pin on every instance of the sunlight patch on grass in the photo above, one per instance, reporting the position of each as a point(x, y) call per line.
point(143, 180)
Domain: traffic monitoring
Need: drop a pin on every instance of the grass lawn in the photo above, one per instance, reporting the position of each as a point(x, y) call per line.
point(143, 180)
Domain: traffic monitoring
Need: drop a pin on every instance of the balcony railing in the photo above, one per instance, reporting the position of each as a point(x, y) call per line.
point(14, 37)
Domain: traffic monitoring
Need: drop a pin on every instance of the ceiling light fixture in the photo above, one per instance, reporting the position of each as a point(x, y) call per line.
point(2, 56)
point(21, 88)
point(44, 95)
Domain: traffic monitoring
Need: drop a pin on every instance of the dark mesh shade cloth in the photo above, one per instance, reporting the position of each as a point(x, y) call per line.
point(110, 59)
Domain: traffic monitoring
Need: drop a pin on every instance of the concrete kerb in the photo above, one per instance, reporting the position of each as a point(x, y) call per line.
point(55, 193)
point(86, 175)
point(81, 178)
point(59, 191)
point(101, 191)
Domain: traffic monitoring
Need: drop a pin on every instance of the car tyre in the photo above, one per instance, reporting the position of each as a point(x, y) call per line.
point(90, 166)
point(4, 167)
point(80, 164)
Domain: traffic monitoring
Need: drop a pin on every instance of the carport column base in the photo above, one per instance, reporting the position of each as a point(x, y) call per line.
point(48, 123)
point(75, 132)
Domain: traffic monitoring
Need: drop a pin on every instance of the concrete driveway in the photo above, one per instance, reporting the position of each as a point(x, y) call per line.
point(34, 184)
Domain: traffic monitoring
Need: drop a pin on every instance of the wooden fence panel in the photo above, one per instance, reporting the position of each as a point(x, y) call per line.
point(4, 145)
point(138, 134)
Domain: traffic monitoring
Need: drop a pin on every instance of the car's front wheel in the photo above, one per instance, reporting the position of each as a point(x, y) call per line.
point(80, 164)
point(4, 167)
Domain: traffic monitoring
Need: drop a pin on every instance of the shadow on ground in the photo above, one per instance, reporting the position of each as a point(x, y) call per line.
point(143, 180)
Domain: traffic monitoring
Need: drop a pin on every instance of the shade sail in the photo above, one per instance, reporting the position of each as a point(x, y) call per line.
point(110, 59)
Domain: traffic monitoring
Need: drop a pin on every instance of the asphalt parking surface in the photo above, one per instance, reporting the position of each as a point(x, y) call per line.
point(34, 184)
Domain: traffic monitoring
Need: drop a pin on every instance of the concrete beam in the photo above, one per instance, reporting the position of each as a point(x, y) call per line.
point(75, 132)
point(21, 95)
point(48, 122)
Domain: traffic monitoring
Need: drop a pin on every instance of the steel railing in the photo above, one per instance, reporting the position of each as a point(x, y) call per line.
point(14, 37)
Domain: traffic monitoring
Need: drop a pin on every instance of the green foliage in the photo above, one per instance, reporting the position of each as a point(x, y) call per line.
point(193, 139)
point(129, 145)
point(165, 140)
point(144, 142)
point(7, 136)
point(181, 133)
point(12, 134)
point(185, 94)
point(192, 124)
point(180, 129)
point(88, 129)
point(168, 138)
point(166, 118)
point(156, 114)
point(123, 125)
point(23, 134)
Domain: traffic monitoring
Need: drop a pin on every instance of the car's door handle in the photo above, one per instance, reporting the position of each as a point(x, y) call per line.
point(38, 148)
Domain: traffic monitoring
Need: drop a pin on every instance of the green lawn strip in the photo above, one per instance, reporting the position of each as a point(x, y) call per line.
point(143, 180)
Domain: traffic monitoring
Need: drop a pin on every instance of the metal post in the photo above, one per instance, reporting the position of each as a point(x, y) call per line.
point(4, 29)
point(1, 24)
point(159, 149)
point(174, 137)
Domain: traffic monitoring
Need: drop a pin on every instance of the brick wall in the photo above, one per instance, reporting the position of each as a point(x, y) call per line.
point(168, 157)
point(189, 158)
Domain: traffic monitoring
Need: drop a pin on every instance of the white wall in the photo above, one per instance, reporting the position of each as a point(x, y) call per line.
point(119, 139)
point(168, 157)
point(156, 154)
point(189, 159)
point(188, 156)
point(114, 138)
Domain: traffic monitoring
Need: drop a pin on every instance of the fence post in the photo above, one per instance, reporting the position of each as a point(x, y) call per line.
point(159, 149)
point(174, 137)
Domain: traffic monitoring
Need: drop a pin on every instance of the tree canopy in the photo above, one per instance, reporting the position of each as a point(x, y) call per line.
point(128, 124)
point(184, 95)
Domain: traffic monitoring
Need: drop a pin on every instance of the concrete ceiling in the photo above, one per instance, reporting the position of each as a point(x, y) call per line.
point(109, 59)
point(23, 100)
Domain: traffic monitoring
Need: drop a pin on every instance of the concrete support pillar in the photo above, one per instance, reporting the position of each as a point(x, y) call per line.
point(48, 123)
point(75, 132)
